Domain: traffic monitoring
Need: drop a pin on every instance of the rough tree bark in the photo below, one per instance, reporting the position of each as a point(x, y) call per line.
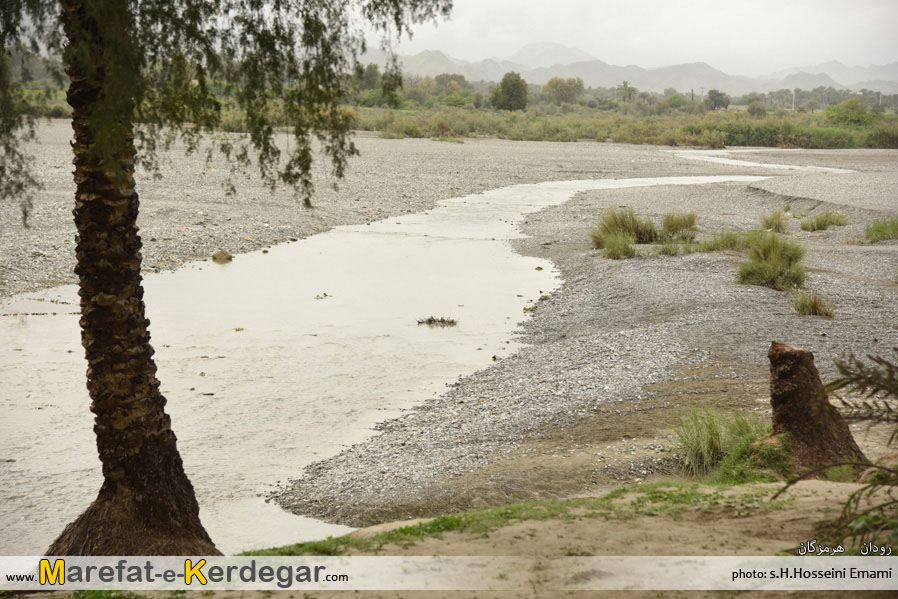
point(146, 505)
point(818, 433)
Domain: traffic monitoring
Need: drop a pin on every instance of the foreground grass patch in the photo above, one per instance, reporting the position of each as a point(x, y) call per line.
point(823, 221)
point(812, 305)
point(623, 221)
point(773, 262)
point(881, 230)
point(729, 448)
point(669, 498)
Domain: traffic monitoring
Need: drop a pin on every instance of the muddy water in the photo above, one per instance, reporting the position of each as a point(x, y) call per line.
point(276, 359)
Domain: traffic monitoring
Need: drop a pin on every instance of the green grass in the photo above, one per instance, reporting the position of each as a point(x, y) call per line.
point(725, 448)
point(623, 221)
point(823, 221)
point(775, 221)
point(881, 230)
point(618, 246)
point(773, 262)
point(649, 499)
point(812, 305)
point(679, 226)
point(726, 240)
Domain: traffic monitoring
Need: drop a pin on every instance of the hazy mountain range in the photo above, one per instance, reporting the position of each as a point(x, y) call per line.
point(539, 62)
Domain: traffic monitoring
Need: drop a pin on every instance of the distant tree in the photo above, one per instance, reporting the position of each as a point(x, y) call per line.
point(477, 99)
point(851, 113)
point(675, 102)
point(625, 91)
point(669, 91)
point(510, 94)
point(757, 109)
point(564, 91)
point(367, 77)
point(450, 83)
point(717, 100)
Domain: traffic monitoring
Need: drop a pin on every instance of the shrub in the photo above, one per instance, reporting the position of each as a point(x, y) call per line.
point(823, 221)
point(623, 221)
point(775, 221)
point(812, 305)
point(773, 262)
point(679, 225)
point(618, 246)
point(709, 440)
point(881, 230)
point(851, 113)
point(883, 136)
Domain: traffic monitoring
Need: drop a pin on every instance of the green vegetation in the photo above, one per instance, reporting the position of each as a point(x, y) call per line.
point(775, 221)
point(774, 262)
point(882, 230)
point(871, 513)
point(812, 305)
point(729, 448)
point(679, 226)
point(823, 221)
point(623, 221)
point(670, 498)
point(511, 93)
point(729, 240)
point(618, 246)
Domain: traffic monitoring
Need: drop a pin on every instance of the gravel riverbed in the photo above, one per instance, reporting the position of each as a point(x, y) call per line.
point(612, 329)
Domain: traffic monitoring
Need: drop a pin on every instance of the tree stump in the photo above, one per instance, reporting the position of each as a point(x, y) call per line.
point(818, 433)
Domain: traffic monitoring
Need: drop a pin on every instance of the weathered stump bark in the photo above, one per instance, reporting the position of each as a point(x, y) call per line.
point(818, 433)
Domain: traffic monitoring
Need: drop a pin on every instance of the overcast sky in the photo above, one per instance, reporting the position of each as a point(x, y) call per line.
point(741, 37)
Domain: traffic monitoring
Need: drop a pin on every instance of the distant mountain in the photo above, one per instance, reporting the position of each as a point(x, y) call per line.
point(539, 62)
point(849, 76)
point(548, 54)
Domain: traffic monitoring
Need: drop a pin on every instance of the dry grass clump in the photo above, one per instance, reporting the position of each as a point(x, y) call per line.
point(623, 221)
point(775, 221)
point(619, 246)
point(881, 230)
point(812, 305)
point(679, 226)
point(823, 221)
point(773, 262)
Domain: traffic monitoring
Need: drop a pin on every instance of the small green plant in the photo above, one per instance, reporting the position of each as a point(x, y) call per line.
point(812, 305)
point(823, 221)
point(679, 226)
point(618, 246)
point(881, 230)
point(623, 221)
point(775, 221)
point(730, 448)
point(773, 262)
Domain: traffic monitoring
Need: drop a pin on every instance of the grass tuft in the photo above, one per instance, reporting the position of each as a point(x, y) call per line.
point(881, 230)
point(679, 226)
point(775, 221)
point(619, 246)
point(773, 262)
point(823, 221)
point(729, 448)
point(812, 305)
point(623, 221)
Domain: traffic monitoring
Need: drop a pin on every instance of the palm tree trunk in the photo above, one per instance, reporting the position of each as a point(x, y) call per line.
point(146, 505)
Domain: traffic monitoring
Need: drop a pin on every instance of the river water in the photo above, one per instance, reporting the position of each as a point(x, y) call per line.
point(277, 359)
